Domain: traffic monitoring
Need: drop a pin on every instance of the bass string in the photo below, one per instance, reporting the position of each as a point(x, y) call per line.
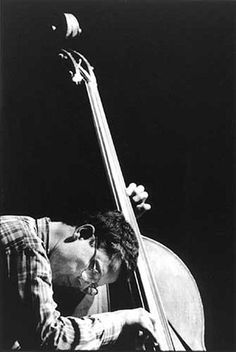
point(117, 184)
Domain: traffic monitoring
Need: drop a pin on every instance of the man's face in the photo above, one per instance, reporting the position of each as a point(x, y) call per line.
point(71, 257)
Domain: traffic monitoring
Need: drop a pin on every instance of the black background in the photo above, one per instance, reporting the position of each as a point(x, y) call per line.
point(166, 76)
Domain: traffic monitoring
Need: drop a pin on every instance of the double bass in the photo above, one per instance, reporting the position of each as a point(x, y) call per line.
point(163, 283)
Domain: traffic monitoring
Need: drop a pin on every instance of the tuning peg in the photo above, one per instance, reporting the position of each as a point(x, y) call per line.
point(73, 27)
point(62, 56)
point(65, 26)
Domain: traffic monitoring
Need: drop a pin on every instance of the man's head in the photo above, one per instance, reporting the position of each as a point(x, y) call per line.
point(105, 243)
point(115, 235)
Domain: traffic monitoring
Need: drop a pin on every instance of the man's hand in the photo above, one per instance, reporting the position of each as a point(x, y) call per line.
point(139, 196)
point(140, 318)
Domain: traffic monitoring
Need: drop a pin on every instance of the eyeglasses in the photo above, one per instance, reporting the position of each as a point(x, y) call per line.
point(91, 274)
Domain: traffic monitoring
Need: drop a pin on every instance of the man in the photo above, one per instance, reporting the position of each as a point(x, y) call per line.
point(38, 253)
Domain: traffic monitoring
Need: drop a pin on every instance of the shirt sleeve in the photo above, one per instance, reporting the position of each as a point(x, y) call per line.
point(52, 330)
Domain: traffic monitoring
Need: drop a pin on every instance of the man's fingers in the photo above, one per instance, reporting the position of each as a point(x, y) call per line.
point(130, 189)
point(139, 189)
point(146, 320)
point(148, 323)
point(141, 318)
point(138, 193)
point(144, 207)
point(141, 196)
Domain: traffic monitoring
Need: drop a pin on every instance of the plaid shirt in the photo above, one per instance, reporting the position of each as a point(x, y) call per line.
point(28, 311)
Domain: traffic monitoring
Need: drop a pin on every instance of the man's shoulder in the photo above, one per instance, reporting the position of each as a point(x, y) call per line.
point(18, 232)
point(10, 218)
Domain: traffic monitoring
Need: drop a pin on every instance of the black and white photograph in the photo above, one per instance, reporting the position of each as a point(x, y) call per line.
point(117, 157)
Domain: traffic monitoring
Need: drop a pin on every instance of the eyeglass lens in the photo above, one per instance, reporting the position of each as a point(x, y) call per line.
point(91, 274)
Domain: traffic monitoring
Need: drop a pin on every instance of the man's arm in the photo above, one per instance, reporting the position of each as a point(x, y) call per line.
point(51, 329)
point(54, 331)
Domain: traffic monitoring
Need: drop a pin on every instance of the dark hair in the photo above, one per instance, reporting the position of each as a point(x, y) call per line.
point(116, 236)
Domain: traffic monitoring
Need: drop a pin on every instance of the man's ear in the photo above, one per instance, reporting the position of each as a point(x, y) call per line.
point(82, 232)
point(85, 232)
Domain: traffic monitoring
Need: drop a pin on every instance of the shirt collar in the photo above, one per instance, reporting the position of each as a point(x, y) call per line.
point(43, 231)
